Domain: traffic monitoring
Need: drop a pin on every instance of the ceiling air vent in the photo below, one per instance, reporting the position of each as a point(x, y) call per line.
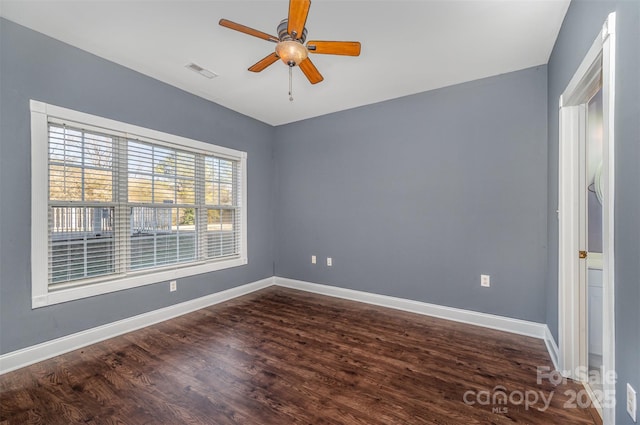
point(200, 70)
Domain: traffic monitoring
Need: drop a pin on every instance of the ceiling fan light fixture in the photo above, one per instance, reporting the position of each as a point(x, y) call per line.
point(291, 52)
point(290, 43)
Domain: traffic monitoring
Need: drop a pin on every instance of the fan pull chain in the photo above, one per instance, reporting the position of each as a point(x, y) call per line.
point(290, 84)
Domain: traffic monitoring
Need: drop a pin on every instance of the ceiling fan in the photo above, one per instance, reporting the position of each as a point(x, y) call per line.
point(290, 47)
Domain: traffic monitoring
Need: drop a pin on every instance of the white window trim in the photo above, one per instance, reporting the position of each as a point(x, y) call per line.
point(41, 113)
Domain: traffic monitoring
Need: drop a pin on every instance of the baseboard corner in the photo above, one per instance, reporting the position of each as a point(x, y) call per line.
point(552, 347)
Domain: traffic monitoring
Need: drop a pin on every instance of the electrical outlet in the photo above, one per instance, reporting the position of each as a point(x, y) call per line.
point(632, 406)
point(485, 280)
point(329, 262)
point(173, 286)
point(313, 259)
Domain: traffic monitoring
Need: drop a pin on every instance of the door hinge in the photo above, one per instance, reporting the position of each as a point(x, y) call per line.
point(582, 254)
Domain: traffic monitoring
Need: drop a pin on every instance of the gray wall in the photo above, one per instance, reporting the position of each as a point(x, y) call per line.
point(416, 197)
point(33, 66)
point(580, 28)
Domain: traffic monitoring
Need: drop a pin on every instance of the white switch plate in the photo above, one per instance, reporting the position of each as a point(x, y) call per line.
point(485, 280)
point(313, 259)
point(632, 403)
point(329, 262)
point(173, 285)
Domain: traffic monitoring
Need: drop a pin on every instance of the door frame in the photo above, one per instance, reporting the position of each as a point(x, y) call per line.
point(598, 64)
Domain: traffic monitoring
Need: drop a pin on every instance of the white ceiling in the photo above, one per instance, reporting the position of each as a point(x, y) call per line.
point(407, 46)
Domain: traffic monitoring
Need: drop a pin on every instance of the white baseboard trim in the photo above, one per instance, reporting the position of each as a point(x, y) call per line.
point(36, 353)
point(517, 326)
point(552, 347)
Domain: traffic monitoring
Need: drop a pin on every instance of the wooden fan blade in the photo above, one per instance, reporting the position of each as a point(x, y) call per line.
point(310, 70)
point(242, 28)
point(263, 63)
point(347, 48)
point(298, 11)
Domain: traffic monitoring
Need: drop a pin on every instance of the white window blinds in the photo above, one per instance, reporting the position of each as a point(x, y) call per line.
point(161, 194)
point(81, 204)
point(121, 206)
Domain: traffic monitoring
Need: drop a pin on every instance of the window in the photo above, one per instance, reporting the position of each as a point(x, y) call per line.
point(116, 206)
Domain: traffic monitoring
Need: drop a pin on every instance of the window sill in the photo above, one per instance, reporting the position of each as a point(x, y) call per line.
point(79, 292)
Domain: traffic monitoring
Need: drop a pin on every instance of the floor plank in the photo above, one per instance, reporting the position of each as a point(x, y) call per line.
point(280, 356)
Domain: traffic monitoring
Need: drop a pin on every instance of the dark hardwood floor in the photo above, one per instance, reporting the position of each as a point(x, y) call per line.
point(281, 357)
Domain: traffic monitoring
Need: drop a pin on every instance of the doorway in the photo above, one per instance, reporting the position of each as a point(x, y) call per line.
point(586, 232)
point(593, 210)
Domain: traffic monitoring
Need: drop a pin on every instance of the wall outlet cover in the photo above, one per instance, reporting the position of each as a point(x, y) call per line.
point(632, 402)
